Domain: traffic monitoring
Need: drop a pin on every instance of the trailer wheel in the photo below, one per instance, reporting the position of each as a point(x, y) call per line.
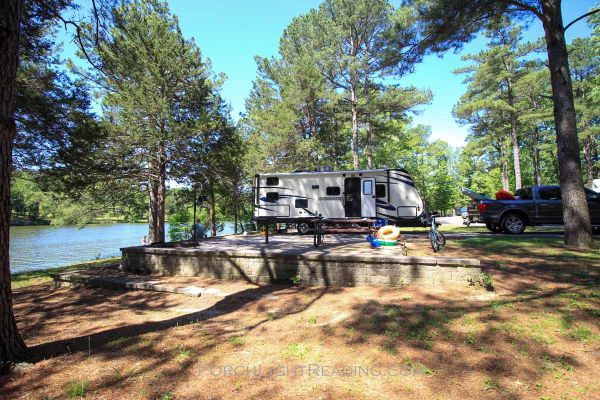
point(302, 228)
point(513, 223)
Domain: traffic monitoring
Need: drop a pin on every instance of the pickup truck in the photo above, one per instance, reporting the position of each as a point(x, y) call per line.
point(537, 205)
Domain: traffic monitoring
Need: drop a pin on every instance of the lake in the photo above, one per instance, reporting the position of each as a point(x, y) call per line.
point(39, 247)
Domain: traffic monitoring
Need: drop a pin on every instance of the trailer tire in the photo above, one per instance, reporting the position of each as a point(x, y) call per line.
point(302, 228)
point(513, 223)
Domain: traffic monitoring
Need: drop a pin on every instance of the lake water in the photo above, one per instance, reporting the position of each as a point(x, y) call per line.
point(39, 247)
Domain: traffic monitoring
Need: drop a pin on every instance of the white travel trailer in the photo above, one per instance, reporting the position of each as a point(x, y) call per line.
point(297, 197)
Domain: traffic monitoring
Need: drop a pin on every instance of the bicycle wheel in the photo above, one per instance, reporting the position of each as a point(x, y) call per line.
point(434, 239)
point(442, 238)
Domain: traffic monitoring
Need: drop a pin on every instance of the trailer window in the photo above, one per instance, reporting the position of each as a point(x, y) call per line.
point(380, 191)
point(301, 203)
point(272, 197)
point(367, 187)
point(272, 181)
point(333, 191)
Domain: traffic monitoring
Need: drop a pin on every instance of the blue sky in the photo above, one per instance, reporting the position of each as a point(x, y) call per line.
point(232, 32)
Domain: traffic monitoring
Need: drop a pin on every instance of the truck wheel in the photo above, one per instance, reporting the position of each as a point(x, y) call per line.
point(492, 227)
point(303, 228)
point(513, 223)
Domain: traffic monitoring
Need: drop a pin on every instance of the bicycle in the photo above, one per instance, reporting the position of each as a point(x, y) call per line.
point(436, 237)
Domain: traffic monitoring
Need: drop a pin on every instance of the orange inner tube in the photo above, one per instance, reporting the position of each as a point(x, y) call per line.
point(388, 232)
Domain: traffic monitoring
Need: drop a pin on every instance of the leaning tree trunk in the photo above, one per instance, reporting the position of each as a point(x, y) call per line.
point(12, 347)
point(578, 230)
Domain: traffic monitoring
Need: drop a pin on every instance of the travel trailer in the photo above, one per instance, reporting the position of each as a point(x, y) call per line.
point(299, 197)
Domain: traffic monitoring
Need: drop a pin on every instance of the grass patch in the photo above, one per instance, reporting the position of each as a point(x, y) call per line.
point(77, 388)
point(471, 338)
point(490, 384)
point(296, 350)
point(513, 243)
point(182, 353)
point(30, 278)
point(580, 333)
point(236, 341)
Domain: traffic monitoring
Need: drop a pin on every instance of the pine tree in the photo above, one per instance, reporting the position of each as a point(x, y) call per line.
point(450, 23)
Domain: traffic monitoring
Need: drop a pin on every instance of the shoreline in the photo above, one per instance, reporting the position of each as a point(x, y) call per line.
point(30, 278)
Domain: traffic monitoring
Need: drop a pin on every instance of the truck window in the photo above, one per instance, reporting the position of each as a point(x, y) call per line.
point(550, 194)
point(591, 195)
point(272, 181)
point(379, 191)
point(524, 194)
point(333, 191)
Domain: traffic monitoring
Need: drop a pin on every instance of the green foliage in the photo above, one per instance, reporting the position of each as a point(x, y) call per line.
point(33, 204)
point(162, 110)
point(487, 281)
point(296, 280)
point(322, 98)
point(77, 388)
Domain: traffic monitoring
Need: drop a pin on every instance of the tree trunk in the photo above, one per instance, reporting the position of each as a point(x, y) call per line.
point(213, 213)
point(235, 212)
point(212, 207)
point(535, 143)
point(369, 146)
point(156, 209)
point(369, 142)
point(152, 210)
point(516, 151)
point(578, 230)
point(354, 111)
point(12, 347)
point(160, 200)
point(537, 169)
point(588, 156)
point(504, 168)
point(514, 137)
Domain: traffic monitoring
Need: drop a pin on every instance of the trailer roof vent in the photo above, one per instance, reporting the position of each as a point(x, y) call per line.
point(324, 168)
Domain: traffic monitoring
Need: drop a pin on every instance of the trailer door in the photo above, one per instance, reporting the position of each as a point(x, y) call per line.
point(368, 209)
point(352, 196)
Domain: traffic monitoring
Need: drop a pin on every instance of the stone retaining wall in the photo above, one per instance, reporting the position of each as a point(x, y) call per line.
point(334, 270)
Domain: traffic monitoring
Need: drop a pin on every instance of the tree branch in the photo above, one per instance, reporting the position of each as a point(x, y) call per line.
point(582, 17)
point(527, 7)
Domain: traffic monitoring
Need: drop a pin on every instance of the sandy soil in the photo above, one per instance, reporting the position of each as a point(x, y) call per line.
point(537, 336)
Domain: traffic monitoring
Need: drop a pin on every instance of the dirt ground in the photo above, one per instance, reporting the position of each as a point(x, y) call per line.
point(537, 336)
